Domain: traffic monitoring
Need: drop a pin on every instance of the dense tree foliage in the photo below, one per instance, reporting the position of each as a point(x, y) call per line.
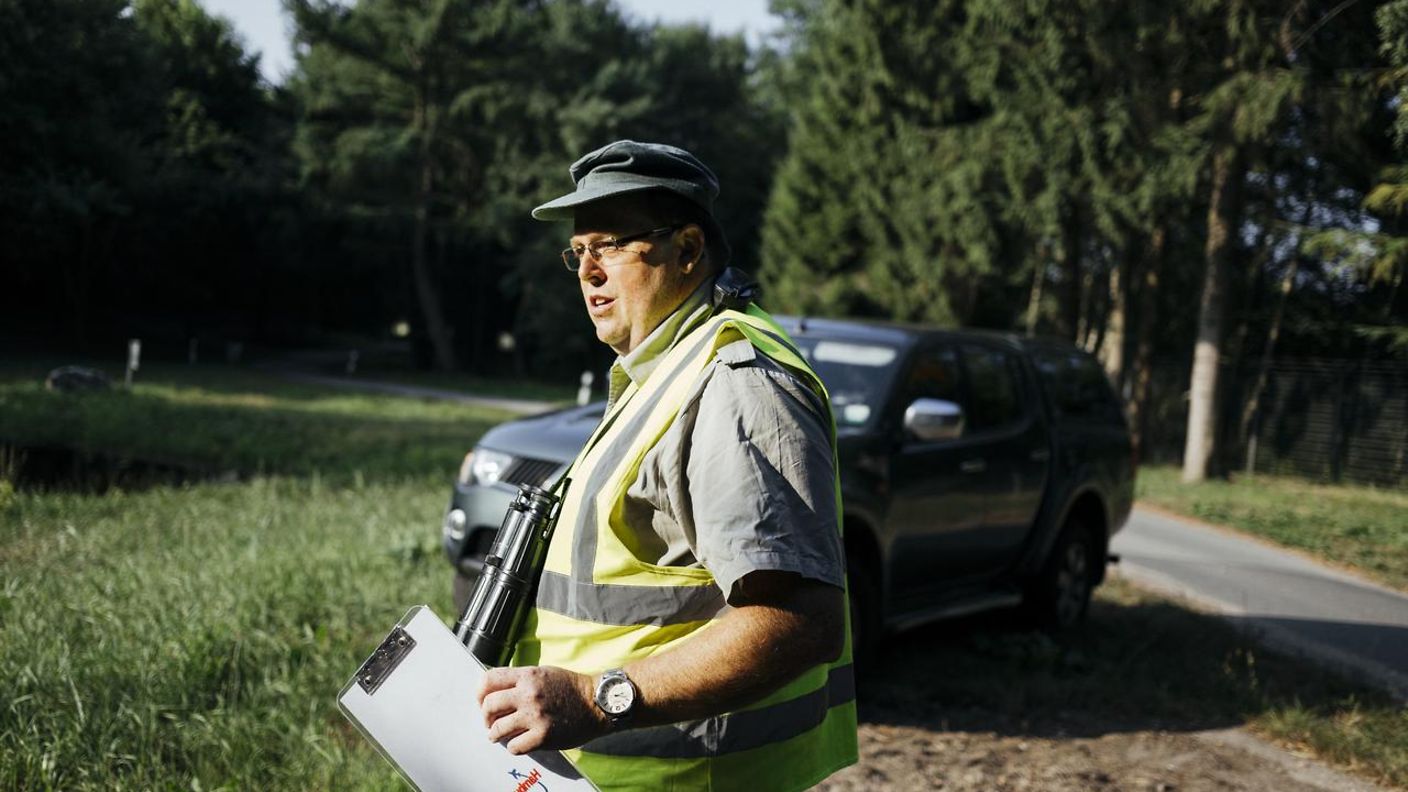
point(1090, 169)
point(1210, 184)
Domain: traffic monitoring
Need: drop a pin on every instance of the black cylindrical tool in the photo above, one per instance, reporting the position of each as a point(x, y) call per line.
point(492, 620)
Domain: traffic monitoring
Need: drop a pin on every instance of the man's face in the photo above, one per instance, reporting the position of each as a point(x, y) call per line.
point(630, 293)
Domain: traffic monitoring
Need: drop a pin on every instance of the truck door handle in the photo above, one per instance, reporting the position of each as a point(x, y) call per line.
point(973, 465)
point(1040, 455)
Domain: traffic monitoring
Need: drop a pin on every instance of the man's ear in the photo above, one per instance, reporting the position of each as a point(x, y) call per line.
point(691, 247)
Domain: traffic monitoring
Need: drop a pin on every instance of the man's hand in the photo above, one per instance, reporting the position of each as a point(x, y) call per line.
point(540, 707)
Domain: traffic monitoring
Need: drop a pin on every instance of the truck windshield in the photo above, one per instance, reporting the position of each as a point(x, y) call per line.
point(857, 375)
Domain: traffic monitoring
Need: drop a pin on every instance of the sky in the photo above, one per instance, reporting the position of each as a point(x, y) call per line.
point(262, 24)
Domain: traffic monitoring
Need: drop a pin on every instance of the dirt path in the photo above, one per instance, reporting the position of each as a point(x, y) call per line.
point(920, 758)
point(1147, 696)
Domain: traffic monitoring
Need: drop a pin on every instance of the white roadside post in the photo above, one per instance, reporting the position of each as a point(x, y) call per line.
point(584, 393)
point(134, 360)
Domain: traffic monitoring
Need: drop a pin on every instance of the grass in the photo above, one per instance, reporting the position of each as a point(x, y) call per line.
point(555, 392)
point(196, 638)
point(217, 419)
point(1140, 663)
point(1363, 528)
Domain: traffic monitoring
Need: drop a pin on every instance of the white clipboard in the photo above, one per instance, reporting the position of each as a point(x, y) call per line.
point(414, 699)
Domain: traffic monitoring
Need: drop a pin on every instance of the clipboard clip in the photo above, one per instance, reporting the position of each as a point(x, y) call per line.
point(385, 659)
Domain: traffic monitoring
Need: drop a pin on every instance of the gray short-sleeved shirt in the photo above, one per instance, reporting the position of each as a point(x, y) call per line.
point(742, 480)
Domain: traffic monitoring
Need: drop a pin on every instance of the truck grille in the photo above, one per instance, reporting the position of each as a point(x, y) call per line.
point(526, 470)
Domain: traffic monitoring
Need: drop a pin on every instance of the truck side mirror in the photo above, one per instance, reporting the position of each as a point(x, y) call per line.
point(932, 420)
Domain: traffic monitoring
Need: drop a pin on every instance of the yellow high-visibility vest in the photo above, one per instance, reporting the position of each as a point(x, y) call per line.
point(599, 606)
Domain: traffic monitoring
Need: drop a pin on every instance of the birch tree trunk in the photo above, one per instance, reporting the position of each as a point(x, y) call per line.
point(1112, 345)
point(1038, 286)
point(1200, 446)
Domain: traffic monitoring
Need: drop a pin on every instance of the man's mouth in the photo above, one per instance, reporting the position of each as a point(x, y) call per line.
point(597, 304)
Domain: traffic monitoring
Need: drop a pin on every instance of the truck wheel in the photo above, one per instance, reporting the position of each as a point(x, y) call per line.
point(864, 602)
point(462, 586)
point(1060, 595)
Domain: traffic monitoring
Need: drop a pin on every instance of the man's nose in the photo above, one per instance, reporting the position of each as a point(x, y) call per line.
point(589, 268)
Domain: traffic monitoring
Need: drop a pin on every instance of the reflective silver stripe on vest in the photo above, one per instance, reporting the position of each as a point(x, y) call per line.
point(628, 605)
point(739, 731)
point(584, 553)
point(577, 596)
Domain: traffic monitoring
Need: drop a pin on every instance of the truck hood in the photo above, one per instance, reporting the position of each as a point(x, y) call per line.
point(556, 436)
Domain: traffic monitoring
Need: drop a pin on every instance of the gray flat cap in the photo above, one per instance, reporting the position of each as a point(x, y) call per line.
point(627, 166)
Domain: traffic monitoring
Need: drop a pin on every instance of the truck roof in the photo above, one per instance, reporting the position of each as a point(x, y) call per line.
point(904, 334)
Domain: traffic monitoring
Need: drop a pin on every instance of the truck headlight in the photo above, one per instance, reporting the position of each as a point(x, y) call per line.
point(484, 466)
point(454, 524)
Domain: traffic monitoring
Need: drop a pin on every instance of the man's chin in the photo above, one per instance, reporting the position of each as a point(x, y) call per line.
point(612, 337)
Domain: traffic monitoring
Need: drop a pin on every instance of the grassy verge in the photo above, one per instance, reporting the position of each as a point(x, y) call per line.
point(196, 638)
point(1361, 527)
point(219, 419)
point(556, 392)
point(1140, 663)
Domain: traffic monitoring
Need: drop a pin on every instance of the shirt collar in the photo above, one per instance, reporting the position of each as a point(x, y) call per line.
point(637, 365)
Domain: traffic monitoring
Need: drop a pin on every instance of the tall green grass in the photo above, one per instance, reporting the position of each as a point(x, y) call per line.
point(195, 638)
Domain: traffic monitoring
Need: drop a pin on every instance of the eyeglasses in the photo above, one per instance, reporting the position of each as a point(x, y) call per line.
point(607, 247)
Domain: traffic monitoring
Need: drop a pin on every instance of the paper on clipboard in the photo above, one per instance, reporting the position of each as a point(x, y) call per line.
point(414, 700)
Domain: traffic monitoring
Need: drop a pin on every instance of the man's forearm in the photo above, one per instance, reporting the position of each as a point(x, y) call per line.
point(750, 652)
point(784, 626)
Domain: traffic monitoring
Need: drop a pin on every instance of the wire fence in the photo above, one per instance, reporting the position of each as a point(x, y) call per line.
point(1322, 419)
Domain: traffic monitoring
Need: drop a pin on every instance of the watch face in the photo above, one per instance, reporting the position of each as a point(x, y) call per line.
point(617, 697)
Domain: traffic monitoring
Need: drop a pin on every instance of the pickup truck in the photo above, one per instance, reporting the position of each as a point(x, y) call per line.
point(978, 470)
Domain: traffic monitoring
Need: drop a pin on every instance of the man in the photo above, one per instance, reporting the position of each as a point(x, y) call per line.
point(690, 625)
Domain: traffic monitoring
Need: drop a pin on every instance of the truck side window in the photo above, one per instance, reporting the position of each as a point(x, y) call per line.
point(934, 375)
point(1078, 386)
point(992, 382)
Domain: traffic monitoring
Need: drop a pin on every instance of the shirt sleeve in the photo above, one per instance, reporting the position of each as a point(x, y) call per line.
point(761, 476)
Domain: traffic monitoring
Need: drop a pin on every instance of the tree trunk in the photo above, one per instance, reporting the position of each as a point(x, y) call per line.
point(1075, 295)
point(1251, 405)
point(426, 292)
point(1263, 371)
point(1201, 442)
point(1038, 285)
point(1147, 312)
point(1112, 345)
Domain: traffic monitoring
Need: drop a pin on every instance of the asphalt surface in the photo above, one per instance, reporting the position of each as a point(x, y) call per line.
point(1293, 602)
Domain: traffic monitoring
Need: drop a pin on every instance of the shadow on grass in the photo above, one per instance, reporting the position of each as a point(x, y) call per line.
point(1138, 664)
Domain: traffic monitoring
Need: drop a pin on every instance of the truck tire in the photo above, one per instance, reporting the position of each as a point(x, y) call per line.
point(1060, 595)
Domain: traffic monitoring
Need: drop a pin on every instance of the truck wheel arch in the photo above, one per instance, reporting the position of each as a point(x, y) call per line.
point(1091, 511)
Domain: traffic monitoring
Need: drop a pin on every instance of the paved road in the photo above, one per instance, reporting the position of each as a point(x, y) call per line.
point(1296, 603)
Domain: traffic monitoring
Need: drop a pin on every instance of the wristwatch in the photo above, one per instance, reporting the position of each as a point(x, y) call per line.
point(616, 695)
